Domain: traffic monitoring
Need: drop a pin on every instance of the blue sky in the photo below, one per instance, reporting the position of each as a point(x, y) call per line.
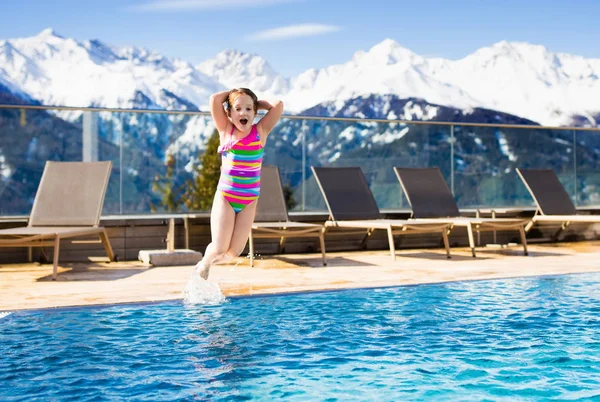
point(294, 35)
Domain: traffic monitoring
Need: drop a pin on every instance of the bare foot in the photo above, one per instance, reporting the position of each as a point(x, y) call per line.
point(202, 270)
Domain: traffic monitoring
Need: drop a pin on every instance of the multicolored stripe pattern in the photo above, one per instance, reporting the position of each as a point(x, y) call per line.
point(240, 170)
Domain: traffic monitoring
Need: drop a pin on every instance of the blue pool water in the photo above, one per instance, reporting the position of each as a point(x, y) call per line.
point(530, 338)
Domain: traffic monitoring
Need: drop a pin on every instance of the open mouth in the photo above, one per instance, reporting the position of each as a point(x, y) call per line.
point(243, 121)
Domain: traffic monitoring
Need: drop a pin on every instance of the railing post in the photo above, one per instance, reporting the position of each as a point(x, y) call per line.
point(304, 128)
point(90, 137)
point(575, 167)
point(121, 164)
point(452, 159)
point(23, 120)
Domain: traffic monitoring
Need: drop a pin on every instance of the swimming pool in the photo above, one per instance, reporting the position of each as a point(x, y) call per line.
point(532, 338)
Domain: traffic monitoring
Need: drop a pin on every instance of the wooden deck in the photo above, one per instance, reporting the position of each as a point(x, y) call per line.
point(29, 286)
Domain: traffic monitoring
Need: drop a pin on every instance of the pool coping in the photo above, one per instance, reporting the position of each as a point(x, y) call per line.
point(291, 293)
point(28, 287)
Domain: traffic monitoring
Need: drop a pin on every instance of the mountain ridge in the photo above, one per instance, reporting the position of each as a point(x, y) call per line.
point(517, 78)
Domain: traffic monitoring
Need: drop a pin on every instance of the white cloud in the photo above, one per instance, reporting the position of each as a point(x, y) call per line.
point(293, 31)
point(180, 5)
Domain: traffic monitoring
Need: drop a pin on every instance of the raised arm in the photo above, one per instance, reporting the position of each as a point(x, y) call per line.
point(216, 110)
point(274, 111)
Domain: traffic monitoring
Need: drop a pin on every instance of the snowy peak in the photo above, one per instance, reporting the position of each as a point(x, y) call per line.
point(387, 52)
point(512, 53)
point(140, 55)
point(238, 69)
point(515, 49)
point(517, 78)
point(535, 58)
point(61, 71)
point(386, 68)
point(49, 32)
point(45, 44)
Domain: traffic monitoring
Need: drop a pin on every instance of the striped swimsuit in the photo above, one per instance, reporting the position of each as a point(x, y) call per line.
point(240, 169)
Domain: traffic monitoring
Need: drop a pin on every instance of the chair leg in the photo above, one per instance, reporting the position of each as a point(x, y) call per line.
point(391, 241)
point(446, 242)
point(363, 243)
point(471, 240)
point(251, 247)
point(529, 226)
point(322, 241)
point(43, 256)
point(107, 246)
point(563, 226)
point(281, 245)
point(523, 240)
point(55, 259)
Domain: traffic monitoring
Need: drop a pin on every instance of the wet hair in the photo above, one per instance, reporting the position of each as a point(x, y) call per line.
point(237, 92)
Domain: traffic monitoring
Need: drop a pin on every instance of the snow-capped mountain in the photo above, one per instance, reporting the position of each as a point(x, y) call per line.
point(64, 72)
point(507, 83)
point(511, 77)
point(392, 107)
point(235, 69)
point(18, 96)
point(517, 78)
point(387, 68)
point(528, 80)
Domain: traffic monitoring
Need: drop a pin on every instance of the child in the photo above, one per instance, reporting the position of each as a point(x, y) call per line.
point(242, 148)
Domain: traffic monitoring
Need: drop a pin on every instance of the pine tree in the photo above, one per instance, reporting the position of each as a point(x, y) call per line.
point(201, 191)
point(288, 195)
point(170, 195)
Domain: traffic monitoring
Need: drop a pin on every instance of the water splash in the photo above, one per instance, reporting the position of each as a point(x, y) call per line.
point(256, 256)
point(5, 314)
point(199, 291)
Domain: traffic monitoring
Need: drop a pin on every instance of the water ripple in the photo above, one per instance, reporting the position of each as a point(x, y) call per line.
point(529, 338)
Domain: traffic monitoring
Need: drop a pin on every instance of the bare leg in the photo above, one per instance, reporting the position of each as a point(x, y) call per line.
point(241, 232)
point(222, 222)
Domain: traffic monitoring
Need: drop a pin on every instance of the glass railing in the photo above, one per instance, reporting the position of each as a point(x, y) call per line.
point(160, 162)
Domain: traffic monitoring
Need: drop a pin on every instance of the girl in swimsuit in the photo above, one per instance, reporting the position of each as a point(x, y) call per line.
point(242, 148)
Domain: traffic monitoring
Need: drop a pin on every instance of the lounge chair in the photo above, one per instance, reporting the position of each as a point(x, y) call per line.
point(431, 200)
point(553, 203)
point(351, 205)
point(272, 221)
point(67, 204)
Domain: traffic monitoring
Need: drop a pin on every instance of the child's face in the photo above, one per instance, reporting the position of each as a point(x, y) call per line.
point(242, 112)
